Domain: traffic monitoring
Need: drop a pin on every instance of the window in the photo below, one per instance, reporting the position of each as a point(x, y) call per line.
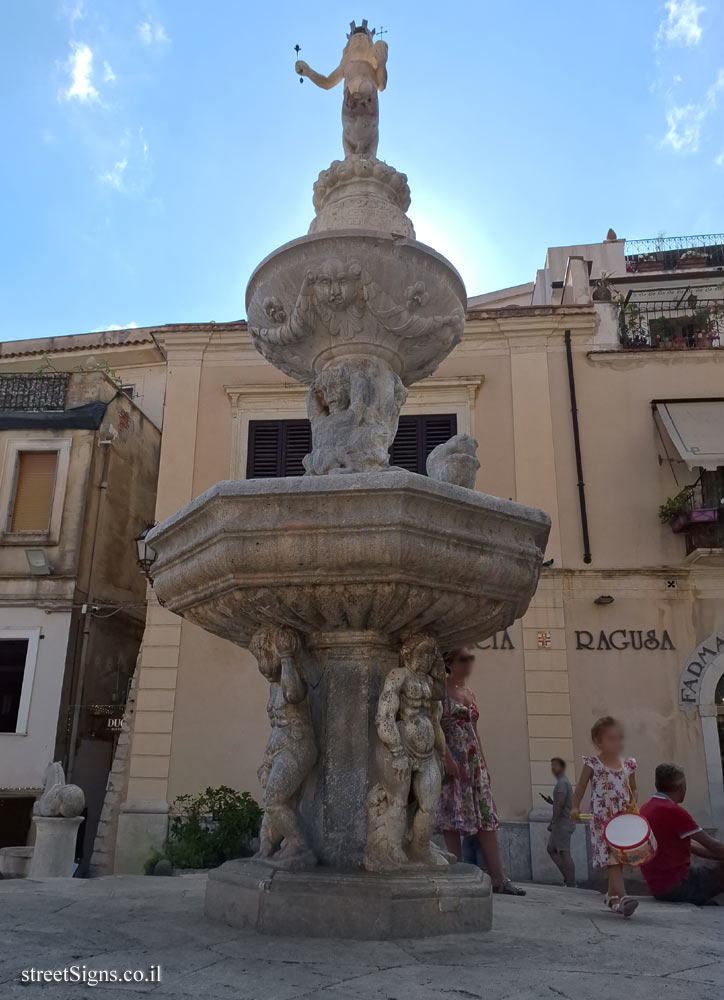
point(18, 654)
point(128, 390)
point(277, 447)
point(34, 484)
point(33, 479)
point(13, 654)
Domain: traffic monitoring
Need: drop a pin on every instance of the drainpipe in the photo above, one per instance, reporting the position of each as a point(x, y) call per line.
point(587, 558)
point(87, 614)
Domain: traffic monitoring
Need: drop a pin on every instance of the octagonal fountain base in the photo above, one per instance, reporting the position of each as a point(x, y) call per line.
point(323, 902)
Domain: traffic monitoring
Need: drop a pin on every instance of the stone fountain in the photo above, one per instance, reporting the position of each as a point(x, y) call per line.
point(348, 583)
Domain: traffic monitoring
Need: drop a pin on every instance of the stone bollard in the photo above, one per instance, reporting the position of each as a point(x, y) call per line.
point(54, 852)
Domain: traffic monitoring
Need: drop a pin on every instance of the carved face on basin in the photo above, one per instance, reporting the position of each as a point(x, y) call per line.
point(337, 284)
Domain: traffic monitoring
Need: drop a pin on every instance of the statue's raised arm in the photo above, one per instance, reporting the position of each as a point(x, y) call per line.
point(363, 68)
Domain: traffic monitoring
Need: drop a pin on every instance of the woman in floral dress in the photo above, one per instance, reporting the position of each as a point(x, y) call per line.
point(466, 805)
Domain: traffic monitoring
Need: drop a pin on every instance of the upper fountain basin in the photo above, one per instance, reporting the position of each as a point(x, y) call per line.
point(383, 553)
point(355, 293)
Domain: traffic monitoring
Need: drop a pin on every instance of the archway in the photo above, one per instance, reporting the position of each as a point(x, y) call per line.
point(701, 691)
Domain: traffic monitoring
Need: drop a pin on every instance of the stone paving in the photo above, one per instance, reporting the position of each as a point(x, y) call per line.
point(554, 943)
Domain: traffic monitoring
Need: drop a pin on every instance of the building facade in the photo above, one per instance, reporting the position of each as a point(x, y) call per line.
point(595, 393)
point(78, 471)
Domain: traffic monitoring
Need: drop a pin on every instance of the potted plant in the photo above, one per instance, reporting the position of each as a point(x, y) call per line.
point(693, 258)
point(648, 262)
point(675, 510)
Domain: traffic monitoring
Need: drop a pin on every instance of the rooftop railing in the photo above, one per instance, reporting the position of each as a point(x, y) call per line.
point(21, 391)
point(667, 253)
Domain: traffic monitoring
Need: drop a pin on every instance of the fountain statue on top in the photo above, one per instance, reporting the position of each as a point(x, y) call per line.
point(363, 67)
point(349, 582)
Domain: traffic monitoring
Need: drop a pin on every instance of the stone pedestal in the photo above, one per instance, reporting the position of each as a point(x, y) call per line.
point(346, 904)
point(54, 851)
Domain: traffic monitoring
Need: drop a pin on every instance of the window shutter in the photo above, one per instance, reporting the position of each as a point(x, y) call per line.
point(277, 447)
point(417, 436)
point(297, 444)
point(34, 490)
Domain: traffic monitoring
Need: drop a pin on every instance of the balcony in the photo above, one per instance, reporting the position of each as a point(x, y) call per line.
point(697, 512)
point(23, 392)
point(674, 253)
point(677, 318)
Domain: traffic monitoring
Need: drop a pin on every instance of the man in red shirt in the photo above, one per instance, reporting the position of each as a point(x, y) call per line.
point(669, 874)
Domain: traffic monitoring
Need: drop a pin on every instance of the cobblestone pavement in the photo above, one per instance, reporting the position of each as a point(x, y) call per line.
point(554, 943)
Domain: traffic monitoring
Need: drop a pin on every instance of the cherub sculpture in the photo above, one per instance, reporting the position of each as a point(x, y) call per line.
point(290, 752)
point(363, 67)
point(401, 806)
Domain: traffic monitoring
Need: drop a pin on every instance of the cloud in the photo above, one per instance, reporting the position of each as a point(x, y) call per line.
point(681, 26)
point(115, 326)
point(685, 121)
point(684, 127)
point(108, 75)
point(114, 177)
point(80, 71)
point(149, 33)
point(720, 159)
point(74, 10)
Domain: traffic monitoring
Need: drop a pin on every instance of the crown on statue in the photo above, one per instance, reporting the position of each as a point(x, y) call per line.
point(362, 29)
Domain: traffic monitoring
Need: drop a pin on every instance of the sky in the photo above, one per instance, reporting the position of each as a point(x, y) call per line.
point(156, 150)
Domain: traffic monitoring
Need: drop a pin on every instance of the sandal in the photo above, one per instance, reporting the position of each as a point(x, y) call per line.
point(508, 888)
point(627, 906)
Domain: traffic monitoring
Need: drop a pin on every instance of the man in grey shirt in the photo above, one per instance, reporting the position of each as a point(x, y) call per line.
point(561, 826)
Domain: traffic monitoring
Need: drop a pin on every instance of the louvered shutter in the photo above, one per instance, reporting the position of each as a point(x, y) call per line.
point(417, 436)
point(277, 447)
point(34, 490)
point(297, 436)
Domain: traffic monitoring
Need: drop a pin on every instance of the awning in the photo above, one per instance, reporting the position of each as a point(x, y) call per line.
point(696, 429)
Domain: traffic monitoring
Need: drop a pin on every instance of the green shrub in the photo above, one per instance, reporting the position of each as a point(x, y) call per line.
point(211, 828)
point(152, 860)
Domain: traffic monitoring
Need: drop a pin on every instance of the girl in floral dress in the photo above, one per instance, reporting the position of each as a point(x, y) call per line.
point(613, 790)
point(466, 803)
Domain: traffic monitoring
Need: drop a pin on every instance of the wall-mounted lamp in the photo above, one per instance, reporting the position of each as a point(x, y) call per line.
point(145, 554)
point(38, 562)
point(604, 599)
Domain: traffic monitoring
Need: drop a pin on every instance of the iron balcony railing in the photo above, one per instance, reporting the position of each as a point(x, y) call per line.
point(701, 520)
point(668, 253)
point(22, 391)
point(673, 325)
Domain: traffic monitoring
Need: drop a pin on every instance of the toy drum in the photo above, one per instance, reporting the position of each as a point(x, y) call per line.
point(630, 839)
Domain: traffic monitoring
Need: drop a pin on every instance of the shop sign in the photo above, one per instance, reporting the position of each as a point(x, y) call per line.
point(621, 638)
point(501, 640)
point(691, 675)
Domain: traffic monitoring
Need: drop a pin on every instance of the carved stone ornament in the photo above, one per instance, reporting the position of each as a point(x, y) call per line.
point(401, 804)
point(362, 192)
point(353, 407)
point(455, 461)
point(57, 798)
point(290, 752)
point(313, 304)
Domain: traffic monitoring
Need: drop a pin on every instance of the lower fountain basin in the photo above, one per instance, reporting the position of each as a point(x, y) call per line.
point(375, 554)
